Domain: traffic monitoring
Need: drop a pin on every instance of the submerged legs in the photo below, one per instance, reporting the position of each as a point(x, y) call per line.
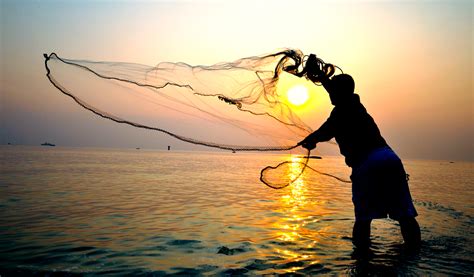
point(361, 233)
point(410, 232)
point(408, 226)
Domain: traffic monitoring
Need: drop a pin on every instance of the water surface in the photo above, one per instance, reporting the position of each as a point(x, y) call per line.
point(96, 211)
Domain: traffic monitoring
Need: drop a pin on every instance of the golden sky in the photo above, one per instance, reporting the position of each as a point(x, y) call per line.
point(411, 60)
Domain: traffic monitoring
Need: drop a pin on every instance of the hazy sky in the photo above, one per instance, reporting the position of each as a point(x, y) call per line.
point(412, 61)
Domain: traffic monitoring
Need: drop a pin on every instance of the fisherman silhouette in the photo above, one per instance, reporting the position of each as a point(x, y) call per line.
point(379, 181)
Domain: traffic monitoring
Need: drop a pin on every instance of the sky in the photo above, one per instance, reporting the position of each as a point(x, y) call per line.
point(412, 61)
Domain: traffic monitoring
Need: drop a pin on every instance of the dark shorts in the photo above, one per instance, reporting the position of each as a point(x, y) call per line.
point(380, 187)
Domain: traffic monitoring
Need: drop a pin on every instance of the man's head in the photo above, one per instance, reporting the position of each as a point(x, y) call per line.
point(340, 87)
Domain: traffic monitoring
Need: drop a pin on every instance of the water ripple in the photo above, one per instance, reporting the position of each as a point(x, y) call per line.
point(126, 212)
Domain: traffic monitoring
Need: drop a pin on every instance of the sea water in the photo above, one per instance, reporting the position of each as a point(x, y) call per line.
point(139, 212)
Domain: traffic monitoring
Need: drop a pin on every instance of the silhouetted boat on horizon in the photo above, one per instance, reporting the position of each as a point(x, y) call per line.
point(48, 144)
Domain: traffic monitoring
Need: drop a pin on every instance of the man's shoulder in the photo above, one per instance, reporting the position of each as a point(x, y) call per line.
point(334, 112)
point(357, 104)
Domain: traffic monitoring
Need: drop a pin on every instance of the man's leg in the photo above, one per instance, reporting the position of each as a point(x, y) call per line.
point(361, 233)
point(410, 231)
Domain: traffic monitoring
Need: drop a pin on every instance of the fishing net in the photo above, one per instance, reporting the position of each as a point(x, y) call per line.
point(232, 106)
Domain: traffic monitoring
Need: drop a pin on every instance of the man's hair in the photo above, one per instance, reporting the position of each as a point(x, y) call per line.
point(342, 83)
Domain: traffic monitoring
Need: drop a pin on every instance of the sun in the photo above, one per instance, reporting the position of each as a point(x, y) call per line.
point(297, 95)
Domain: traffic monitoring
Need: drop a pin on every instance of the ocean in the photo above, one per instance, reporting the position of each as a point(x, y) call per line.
point(84, 211)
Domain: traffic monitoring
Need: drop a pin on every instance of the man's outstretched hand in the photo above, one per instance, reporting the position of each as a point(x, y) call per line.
point(308, 144)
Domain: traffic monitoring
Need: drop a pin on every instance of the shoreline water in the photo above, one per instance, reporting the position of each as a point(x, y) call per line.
point(77, 211)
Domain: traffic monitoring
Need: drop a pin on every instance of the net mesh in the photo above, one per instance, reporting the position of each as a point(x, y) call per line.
point(231, 106)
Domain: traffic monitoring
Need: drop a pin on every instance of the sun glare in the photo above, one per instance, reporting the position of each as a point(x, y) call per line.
point(298, 95)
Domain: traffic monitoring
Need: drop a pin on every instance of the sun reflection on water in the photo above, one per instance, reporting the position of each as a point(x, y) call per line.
point(309, 225)
point(292, 232)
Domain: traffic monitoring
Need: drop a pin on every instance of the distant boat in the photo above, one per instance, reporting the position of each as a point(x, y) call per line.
point(48, 144)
